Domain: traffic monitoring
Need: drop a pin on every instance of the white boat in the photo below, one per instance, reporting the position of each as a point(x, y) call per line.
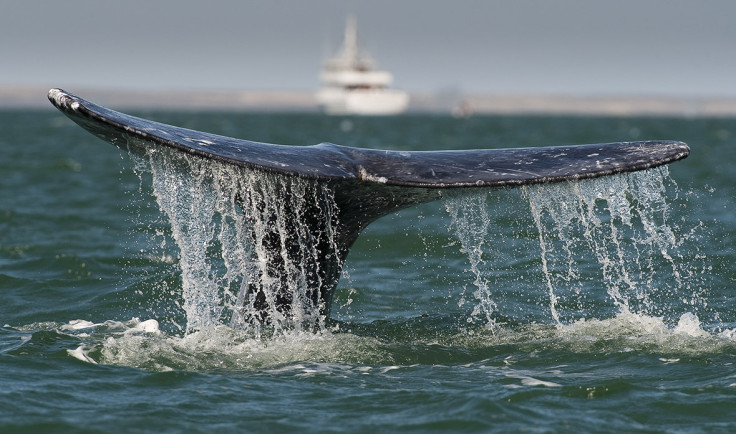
point(352, 85)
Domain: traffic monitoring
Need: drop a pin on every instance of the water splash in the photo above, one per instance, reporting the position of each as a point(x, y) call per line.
point(614, 233)
point(623, 223)
point(471, 221)
point(240, 258)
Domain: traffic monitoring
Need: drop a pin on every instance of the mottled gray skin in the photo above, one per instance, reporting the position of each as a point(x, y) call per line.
point(368, 183)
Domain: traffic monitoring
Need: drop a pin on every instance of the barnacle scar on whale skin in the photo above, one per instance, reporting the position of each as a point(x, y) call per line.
point(356, 186)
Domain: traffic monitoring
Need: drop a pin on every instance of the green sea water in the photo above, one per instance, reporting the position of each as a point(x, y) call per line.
point(594, 306)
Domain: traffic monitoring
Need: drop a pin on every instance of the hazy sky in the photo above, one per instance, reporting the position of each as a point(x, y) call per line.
point(632, 47)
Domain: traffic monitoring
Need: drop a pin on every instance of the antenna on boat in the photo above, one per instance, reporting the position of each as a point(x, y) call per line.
point(350, 42)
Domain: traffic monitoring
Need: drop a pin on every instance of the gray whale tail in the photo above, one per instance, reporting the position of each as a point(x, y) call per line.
point(351, 187)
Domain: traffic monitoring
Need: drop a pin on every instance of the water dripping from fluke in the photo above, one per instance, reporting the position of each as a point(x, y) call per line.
point(263, 230)
point(254, 250)
point(611, 235)
point(621, 230)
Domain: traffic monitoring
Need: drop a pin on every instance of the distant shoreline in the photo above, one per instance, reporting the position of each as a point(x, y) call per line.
point(461, 104)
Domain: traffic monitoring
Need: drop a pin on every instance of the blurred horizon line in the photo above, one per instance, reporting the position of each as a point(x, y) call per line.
point(449, 101)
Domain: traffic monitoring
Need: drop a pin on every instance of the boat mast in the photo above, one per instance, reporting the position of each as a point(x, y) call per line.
point(349, 57)
point(350, 42)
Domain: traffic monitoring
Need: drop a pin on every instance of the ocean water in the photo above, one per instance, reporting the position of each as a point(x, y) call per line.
point(599, 306)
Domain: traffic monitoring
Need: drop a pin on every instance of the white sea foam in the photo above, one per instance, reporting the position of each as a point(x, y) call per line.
point(78, 324)
point(140, 344)
point(148, 326)
point(81, 353)
point(529, 381)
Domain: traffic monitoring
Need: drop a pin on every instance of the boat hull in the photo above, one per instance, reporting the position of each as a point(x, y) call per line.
point(363, 101)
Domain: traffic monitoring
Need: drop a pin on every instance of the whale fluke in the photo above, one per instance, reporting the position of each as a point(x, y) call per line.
point(355, 186)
